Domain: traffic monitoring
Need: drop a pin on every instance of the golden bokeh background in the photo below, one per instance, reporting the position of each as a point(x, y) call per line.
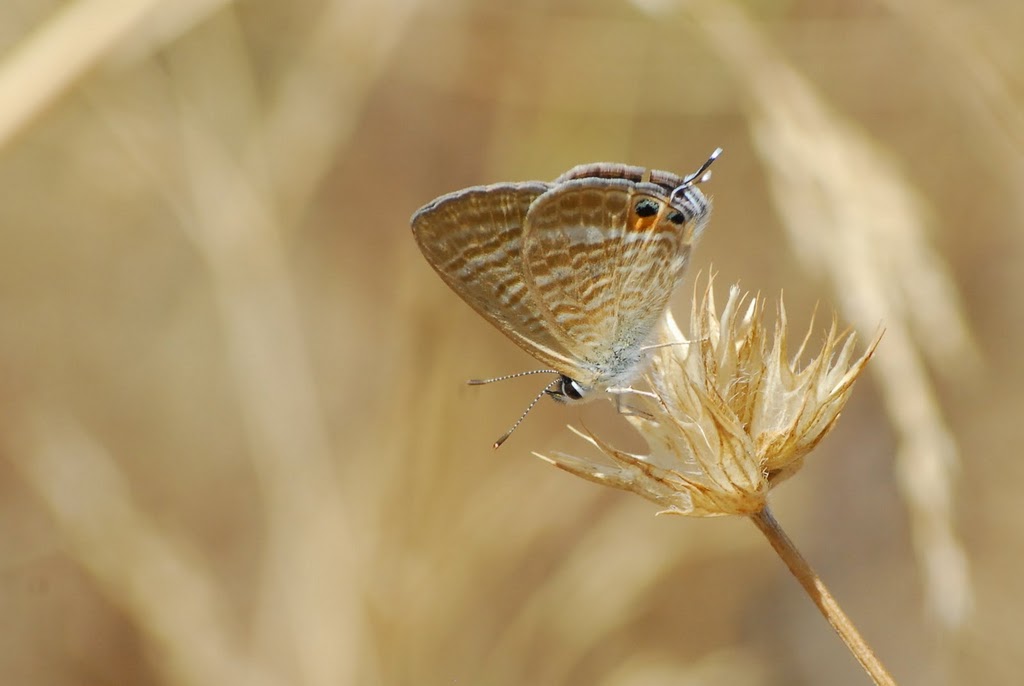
point(236, 444)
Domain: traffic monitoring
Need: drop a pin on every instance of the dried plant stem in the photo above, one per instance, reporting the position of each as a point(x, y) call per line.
point(765, 521)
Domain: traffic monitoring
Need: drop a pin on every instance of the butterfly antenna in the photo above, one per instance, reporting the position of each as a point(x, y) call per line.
point(504, 437)
point(481, 382)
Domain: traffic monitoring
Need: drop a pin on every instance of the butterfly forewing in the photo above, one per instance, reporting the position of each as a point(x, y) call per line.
point(473, 239)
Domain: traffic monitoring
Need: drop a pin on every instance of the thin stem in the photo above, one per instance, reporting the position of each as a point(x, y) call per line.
point(765, 521)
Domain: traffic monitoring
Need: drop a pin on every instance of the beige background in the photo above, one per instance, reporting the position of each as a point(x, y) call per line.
point(234, 440)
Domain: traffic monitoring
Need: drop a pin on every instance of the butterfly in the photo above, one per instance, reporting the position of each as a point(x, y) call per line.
point(577, 271)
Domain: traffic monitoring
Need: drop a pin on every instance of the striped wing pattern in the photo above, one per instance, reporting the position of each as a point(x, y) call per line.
point(602, 273)
point(473, 239)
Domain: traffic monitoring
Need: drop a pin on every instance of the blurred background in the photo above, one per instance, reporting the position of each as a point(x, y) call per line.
point(235, 442)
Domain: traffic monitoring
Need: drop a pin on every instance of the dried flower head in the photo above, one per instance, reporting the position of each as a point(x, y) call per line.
point(729, 414)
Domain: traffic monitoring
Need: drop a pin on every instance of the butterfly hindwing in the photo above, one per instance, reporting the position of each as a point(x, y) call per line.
point(602, 257)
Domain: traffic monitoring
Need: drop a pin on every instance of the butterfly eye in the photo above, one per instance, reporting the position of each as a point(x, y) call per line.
point(571, 389)
point(677, 218)
point(647, 208)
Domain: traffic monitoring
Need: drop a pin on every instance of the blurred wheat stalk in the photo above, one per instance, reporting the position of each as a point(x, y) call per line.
point(236, 208)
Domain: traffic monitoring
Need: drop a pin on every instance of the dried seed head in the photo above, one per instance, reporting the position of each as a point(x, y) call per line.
point(729, 414)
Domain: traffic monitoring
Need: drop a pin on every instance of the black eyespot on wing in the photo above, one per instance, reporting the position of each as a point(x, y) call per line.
point(646, 207)
point(677, 218)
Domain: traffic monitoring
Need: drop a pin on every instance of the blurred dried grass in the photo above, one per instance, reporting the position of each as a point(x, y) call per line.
point(237, 448)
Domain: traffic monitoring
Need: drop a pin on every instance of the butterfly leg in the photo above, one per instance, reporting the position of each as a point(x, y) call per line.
point(629, 411)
